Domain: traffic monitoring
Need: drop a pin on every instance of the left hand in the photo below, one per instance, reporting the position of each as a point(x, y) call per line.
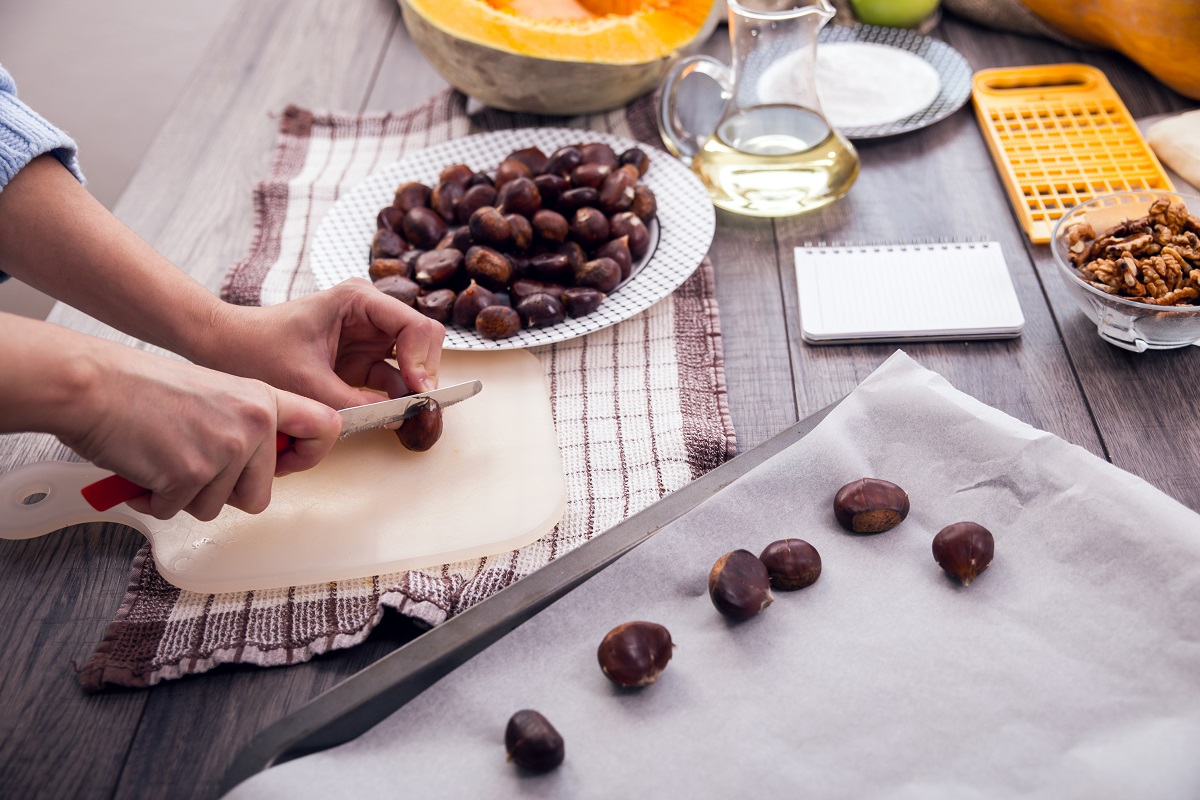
point(329, 345)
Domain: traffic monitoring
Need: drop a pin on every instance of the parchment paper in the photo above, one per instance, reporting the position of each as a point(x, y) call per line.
point(1070, 669)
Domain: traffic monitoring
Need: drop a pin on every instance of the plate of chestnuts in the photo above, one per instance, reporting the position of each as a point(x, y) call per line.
point(521, 237)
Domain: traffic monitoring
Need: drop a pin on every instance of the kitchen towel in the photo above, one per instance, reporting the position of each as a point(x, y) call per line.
point(672, 376)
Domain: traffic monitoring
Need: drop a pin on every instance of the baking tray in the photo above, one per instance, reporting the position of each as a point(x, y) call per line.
point(370, 696)
point(1060, 135)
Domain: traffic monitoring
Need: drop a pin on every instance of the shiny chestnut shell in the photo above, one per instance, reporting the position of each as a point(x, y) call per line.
point(497, 322)
point(739, 585)
point(964, 550)
point(635, 653)
point(422, 430)
point(532, 742)
point(791, 564)
point(870, 505)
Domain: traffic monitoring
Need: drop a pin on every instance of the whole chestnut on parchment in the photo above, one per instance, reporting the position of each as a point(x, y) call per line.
point(964, 550)
point(870, 505)
point(791, 564)
point(422, 430)
point(739, 585)
point(532, 742)
point(635, 653)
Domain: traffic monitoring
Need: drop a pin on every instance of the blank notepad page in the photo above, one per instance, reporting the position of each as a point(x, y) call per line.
point(905, 292)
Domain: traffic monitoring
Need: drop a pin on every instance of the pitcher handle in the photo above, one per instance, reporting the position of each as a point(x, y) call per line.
point(682, 143)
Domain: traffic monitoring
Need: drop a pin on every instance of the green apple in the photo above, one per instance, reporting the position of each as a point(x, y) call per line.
point(893, 13)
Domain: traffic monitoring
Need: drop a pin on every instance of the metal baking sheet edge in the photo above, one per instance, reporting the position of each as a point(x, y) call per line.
point(369, 696)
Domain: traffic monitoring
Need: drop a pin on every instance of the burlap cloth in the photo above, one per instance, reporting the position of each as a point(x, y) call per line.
point(672, 425)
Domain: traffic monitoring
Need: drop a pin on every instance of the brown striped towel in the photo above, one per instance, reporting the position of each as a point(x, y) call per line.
point(661, 370)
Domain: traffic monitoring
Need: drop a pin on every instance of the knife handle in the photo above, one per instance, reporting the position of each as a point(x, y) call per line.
point(114, 490)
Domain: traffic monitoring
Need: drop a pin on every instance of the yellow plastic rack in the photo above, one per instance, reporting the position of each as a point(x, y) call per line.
point(1060, 135)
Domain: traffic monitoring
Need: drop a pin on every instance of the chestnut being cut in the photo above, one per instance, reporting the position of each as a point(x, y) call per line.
point(791, 564)
point(739, 585)
point(532, 742)
point(635, 653)
point(964, 550)
point(870, 505)
point(422, 430)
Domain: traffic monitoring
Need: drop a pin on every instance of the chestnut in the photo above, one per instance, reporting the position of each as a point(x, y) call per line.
point(635, 653)
point(572, 200)
point(456, 173)
point(537, 310)
point(383, 267)
point(563, 160)
point(411, 195)
point(497, 322)
point(399, 287)
point(437, 304)
point(616, 193)
point(475, 198)
point(531, 157)
point(791, 564)
point(488, 226)
point(589, 175)
point(470, 302)
point(590, 228)
point(444, 199)
point(580, 300)
point(519, 196)
point(645, 205)
point(389, 218)
point(870, 505)
point(637, 157)
point(510, 169)
point(598, 153)
point(964, 550)
point(629, 224)
point(549, 226)
point(488, 267)
point(422, 430)
point(387, 244)
point(551, 187)
point(523, 287)
point(423, 228)
point(739, 585)
point(553, 267)
point(599, 273)
point(574, 254)
point(618, 250)
point(436, 269)
point(522, 231)
point(532, 742)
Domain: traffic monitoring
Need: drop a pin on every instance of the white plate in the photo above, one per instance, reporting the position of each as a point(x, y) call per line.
point(686, 222)
point(953, 72)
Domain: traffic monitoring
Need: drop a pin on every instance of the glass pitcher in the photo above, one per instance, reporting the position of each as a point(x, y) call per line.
point(772, 153)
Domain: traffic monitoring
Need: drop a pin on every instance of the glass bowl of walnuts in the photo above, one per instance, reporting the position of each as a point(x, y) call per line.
point(1131, 260)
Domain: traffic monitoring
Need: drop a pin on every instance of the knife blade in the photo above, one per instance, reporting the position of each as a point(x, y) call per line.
point(114, 490)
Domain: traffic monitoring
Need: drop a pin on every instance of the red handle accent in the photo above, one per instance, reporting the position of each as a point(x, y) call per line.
point(114, 490)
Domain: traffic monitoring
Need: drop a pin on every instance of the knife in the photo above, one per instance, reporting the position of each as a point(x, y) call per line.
point(113, 490)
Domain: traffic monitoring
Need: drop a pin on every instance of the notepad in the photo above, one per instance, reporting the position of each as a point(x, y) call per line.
point(906, 292)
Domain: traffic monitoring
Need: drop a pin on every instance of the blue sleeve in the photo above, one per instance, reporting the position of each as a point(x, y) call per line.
point(24, 136)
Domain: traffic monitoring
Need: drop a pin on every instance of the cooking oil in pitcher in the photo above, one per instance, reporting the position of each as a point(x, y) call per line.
point(774, 161)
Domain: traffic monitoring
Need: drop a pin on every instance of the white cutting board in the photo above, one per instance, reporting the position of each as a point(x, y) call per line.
point(493, 482)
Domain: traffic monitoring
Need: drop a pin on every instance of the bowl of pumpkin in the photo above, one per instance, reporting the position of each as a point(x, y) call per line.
point(558, 57)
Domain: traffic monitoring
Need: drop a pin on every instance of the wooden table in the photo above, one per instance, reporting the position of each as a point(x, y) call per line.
point(191, 198)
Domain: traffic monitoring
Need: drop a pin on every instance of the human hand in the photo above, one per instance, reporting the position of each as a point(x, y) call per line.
point(329, 345)
point(196, 438)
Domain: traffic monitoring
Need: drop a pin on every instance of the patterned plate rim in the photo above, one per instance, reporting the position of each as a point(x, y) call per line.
point(686, 224)
point(952, 68)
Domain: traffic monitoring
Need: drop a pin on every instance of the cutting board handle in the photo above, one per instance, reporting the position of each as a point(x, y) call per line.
point(40, 498)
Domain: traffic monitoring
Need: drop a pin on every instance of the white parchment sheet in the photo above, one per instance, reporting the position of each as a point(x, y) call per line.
point(1070, 669)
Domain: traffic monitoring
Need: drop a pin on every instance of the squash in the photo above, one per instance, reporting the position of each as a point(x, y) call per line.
point(1163, 36)
point(556, 56)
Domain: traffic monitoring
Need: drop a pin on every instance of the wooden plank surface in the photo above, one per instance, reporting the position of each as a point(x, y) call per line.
point(191, 199)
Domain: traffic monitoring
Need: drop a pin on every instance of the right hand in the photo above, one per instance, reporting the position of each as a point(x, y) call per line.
point(196, 438)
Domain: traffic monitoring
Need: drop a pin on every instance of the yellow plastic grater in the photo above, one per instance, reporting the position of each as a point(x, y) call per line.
point(1060, 135)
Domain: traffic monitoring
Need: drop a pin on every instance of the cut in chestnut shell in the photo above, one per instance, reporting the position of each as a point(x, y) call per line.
point(422, 430)
point(791, 564)
point(870, 505)
point(964, 550)
point(635, 653)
